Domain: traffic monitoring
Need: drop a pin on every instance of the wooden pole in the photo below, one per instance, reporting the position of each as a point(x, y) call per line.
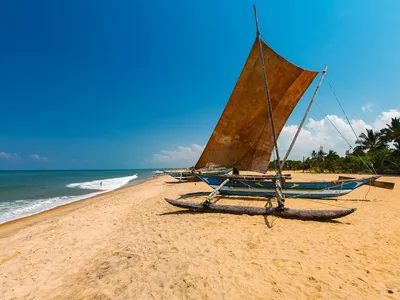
point(272, 124)
point(214, 192)
point(269, 105)
point(304, 117)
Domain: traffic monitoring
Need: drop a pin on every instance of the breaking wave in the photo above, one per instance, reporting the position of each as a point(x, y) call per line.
point(23, 208)
point(103, 184)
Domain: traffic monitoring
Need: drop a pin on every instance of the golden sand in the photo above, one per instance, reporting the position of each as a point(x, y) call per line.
point(130, 244)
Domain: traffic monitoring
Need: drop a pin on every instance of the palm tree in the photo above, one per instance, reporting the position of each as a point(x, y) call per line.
point(371, 141)
point(321, 153)
point(314, 154)
point(332, 154)
point(396, 155)
point(331, 160)
point(306, 164)
point(396, 150)
point(392, 131)
point(320, 159)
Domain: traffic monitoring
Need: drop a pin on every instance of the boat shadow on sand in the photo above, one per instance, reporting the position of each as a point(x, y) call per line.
point(269, 220)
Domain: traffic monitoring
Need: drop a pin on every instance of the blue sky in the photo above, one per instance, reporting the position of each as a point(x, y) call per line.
point(101, 84)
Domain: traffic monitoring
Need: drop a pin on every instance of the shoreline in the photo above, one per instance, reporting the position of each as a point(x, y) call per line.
point(67, 207)
point(63, 208)
point(131, 244)
point(9, 227)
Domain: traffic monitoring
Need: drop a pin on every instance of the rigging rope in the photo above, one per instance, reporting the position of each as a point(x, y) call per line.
point(348, 121)
point(274, 158)
point(351, 147)
point(369, 187)
point(371, 168)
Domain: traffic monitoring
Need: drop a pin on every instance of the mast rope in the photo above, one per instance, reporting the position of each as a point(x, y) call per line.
point(275, 165)
point(369, 187)
point(341, 107)
point(371, 168)
point(351, 147)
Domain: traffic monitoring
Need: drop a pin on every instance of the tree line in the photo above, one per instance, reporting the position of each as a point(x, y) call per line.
point(375, 151)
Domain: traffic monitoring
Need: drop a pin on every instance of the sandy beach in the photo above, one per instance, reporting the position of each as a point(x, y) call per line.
point(130, 244)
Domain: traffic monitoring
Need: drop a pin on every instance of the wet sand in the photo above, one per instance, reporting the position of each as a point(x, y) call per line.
point(131, 244)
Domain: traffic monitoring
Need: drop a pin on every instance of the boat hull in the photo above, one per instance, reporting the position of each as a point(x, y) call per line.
point(287, 213)
point(188, 175)
point(183, 176)
point(253, 187)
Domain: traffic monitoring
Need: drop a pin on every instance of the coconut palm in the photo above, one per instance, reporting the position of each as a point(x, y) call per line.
point(332, 154)
point(392, 131)
point(321, 154)
point(396, 155)
point(371, 141)
point(396, 148)
point(318, 159)
point(331, 160)
point(314, 154)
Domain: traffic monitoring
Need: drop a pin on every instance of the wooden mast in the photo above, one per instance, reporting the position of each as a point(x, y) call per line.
point(269, 106)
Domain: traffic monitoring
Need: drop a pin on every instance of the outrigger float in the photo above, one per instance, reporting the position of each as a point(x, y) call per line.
point(286, 213)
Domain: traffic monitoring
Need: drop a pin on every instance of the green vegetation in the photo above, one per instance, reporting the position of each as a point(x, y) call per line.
point(378, 150)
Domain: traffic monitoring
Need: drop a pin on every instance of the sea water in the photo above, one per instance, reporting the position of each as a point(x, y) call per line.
point(23, 193)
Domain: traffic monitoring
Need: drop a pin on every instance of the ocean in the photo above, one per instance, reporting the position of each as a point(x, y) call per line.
point(24, 193)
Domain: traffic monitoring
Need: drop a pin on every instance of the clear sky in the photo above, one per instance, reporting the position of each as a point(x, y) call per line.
point(108, 84)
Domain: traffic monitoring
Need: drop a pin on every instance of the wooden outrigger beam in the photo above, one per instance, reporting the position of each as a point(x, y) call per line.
point(214, 192)
point(254, 177)
point(376, 183)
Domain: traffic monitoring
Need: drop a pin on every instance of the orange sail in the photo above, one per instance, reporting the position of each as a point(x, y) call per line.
point(242, 137)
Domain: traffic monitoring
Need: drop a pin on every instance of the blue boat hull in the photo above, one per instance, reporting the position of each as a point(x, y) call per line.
point(266, 188)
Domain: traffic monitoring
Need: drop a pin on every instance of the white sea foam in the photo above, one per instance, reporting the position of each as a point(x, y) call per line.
point(23, 208)
point(103, 184)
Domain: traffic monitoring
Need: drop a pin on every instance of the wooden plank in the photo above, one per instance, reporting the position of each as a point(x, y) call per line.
point(376, 183)
point(250, 177)
point(383, 184)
